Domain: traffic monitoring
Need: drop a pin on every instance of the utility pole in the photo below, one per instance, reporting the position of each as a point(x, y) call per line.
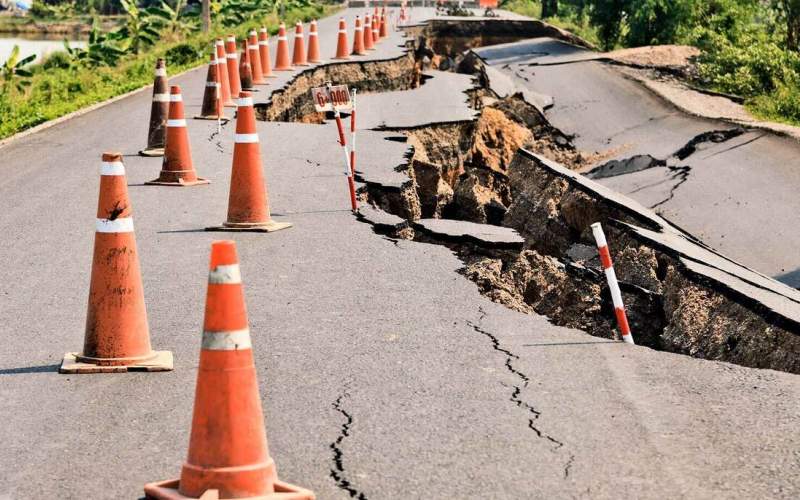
point(206, 16)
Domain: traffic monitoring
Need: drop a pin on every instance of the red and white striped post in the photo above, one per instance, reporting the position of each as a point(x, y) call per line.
point(613, 285)
point(353, 136)
point(343, 141)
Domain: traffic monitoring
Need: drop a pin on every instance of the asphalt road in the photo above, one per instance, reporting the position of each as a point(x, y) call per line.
point(373, 347)
point(737, 196)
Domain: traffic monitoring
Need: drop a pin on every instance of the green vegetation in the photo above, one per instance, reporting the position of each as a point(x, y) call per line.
point(123, 60)
point(749, 48)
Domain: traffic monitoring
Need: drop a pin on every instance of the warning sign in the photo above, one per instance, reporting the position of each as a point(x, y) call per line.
point(339, 94)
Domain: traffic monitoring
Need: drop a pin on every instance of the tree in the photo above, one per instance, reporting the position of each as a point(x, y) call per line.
point(790, 12)
point(607, 16)
point(206, 15)
point(549, 8)
point(654, 22)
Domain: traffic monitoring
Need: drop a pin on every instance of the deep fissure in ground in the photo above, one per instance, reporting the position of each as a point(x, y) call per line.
point(473, 171)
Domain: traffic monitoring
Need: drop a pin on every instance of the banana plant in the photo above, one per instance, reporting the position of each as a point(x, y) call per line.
point(173, 19)
point(100, 51)
point(140, 29)
point(13, 71)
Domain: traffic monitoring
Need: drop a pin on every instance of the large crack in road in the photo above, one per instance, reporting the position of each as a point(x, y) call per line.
point(517, 389)
point(337, 472)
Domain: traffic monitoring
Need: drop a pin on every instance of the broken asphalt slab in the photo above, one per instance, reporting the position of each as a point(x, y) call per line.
point(735, 195)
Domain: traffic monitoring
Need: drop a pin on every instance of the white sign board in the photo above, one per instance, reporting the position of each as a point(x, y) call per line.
point(339, 94)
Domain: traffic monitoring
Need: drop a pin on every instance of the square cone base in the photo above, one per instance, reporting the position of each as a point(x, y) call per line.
point(152, 152)
point(180, 182)
point(162, 362)
point(267, 227)
point(168, 490)
point(225, 119)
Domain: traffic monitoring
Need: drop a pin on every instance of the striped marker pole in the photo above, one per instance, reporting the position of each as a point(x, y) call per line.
point(353, 136)
point(613, 285)
point(343, 141)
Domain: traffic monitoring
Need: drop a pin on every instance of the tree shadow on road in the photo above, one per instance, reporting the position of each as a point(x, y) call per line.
point(30, 369)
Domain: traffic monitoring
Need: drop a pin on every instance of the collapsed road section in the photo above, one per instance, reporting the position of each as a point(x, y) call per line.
point(481, 148)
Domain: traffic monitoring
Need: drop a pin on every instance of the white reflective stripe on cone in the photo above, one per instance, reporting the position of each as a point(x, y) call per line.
point(219, 43)
point(160, 72)
point(263, 42)
point(176, 123)
point(121, 225)
point(175, 98)
point(246, 138)
point(227, 341)
point(313, 33)
point(283, 39)
point(225, 275)
point(112, 168)
point(160, 97)
point(298, 35)
point(245, 101)
point(232, 39)
point(212, 84)
point(231, 56)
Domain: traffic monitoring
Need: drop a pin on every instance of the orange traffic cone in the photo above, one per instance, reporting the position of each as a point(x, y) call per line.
point(248, 204)
point(369, 44)
point(358, 39)
point(342, 52)
point(299, 54)
point(222, 68)
point(232, 66)
point(376, 26)
point(263, 50)
point(117, 338)
point(157, 132)
point(255, 58)
point(384, 29)
point(177, 168)
point(212, 103)
point(245, 70)
point(313, 43)
point(282, 56)
point(228, 451)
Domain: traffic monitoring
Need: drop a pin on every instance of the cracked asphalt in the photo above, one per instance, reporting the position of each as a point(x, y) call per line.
point(737, 196)
point(384, 373)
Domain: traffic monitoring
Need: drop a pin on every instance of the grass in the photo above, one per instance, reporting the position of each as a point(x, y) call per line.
point(55, 92)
